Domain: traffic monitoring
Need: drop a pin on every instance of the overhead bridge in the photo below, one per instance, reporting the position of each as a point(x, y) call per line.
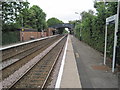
point(64, 25)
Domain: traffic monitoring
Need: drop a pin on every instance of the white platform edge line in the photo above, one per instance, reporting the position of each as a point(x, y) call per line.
point(62, 66)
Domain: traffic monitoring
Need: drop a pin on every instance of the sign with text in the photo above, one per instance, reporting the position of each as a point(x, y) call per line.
point(111, 19)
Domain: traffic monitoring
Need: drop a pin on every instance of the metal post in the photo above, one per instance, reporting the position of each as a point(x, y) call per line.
point(22, 28)
point(80, 34)
point(105, 45)
point(105, 42)
point(81, 28)
point(115, 37)
point(81, 31)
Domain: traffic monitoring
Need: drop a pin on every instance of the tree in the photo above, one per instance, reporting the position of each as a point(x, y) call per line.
point(93, 27)
point(101, 16)
point(38, 17)
point(18, 14)
point(10, 14)
point(53, 21)
point(33, 17)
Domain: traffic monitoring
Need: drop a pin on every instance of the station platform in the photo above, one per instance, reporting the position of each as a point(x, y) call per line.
point(68, 76)
point(70, 72)
point(82, 67)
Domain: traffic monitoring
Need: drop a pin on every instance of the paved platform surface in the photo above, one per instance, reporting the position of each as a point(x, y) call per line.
point(70, 77)
point(92, 72)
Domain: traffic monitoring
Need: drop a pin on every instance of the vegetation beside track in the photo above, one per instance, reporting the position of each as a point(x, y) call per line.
point(17, 15)
point(92, 26)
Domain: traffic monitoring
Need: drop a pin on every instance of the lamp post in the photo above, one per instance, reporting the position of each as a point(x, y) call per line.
point(22, 29)
point(81, 27)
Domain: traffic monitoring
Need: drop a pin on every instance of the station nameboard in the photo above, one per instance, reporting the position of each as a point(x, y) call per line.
point(111, 19)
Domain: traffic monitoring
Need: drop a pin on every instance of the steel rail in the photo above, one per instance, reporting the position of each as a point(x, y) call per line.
point(22, 44)
point(42, 87)
point(7, 63)
point(17, 75)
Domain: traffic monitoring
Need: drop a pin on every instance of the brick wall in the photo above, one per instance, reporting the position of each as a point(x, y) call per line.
point(25, 36)
point(28, 35)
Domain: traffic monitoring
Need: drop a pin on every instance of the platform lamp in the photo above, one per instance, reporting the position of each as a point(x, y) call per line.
point(81, 27)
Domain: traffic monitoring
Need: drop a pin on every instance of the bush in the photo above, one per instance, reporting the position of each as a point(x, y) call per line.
point(10, 37)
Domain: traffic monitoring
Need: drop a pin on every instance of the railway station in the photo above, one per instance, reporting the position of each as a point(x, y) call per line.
point(64, 62)
point(80, 54)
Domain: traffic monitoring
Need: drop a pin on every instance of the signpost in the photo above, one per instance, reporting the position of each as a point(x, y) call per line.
point(109, 20)
point(115, 36)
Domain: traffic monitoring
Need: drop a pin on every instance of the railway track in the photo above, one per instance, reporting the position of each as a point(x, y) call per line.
point(14, 63)
point(35, 72)
point(14, 50)
point(26, 52)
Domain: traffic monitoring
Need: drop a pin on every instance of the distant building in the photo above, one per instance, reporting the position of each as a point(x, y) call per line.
point(28, 34)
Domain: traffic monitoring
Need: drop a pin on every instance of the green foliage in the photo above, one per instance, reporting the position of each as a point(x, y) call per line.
point(10, 37)
point(18, 14)
point(33, 17)
point(37, 17)
point(64, 32)
point(10, 11)
point(77, 30)
point(10, 14)
point(10, 27)
point(92, 27)
point(53, 21)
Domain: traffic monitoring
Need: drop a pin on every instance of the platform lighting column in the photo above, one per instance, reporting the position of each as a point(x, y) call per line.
point(105, 39)
point(22, 28)
point(105, 45)
point(81, 28)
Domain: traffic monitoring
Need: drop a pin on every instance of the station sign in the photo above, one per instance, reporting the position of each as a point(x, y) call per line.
point(111, 19)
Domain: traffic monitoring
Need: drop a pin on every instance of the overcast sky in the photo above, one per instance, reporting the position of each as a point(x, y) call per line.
point(63, 9)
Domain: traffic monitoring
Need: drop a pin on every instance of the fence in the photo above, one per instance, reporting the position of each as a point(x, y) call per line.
point(10, 37)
